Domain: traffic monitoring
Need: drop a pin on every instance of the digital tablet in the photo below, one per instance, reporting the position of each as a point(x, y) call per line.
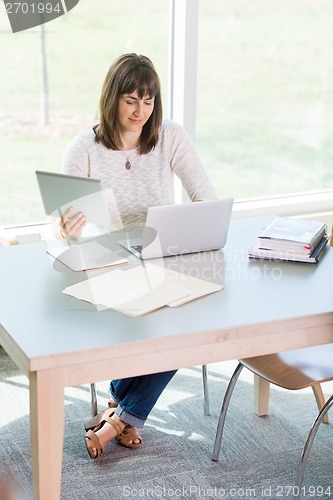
point(85, 194)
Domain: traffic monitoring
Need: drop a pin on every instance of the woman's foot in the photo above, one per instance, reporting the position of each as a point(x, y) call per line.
point(130, 437)
point(110, 426)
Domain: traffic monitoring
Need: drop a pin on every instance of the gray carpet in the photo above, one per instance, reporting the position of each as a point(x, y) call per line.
point(258, 457)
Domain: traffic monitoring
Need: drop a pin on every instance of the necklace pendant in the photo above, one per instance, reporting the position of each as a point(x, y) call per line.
point(128, 165)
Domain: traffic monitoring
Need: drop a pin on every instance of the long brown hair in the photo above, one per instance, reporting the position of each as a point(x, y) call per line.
point(129, 73)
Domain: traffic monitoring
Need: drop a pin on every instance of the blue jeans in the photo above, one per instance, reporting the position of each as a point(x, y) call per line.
point(136, 396)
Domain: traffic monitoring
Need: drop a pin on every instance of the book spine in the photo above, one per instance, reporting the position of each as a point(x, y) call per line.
point(317, 251)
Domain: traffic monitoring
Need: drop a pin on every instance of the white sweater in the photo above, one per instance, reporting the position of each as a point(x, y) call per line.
point(149, 182)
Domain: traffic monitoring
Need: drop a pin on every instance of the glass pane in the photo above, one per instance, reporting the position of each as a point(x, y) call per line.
point(79, 48)
point(265, 95)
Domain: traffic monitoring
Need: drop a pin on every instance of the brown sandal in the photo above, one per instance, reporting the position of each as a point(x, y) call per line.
point(90, 437)
point(92, 441)
point(129, 433)
point(94, 421)
point(124, 436)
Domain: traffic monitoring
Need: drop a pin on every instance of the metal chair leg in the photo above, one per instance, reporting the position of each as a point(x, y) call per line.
point(224, 409)
point(205, 390)
point(94, 408)
point(308, 445)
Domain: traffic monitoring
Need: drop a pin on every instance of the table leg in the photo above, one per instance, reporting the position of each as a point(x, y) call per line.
point(47, 432)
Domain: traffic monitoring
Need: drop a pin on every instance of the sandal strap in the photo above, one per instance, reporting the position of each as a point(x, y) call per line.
point(97, 422)
point(115, 423)
point(92, 441)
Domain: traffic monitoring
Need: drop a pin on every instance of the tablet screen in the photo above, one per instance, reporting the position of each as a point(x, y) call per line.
point(85, 194)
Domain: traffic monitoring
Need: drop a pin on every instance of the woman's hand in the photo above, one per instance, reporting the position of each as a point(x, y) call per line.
point(71, 226)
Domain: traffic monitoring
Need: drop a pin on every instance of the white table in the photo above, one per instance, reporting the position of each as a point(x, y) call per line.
point(58, 341)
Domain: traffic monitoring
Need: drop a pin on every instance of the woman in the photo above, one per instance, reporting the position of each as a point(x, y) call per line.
point(136, 154)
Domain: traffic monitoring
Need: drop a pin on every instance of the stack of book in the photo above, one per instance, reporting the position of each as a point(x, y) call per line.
point(287, 238)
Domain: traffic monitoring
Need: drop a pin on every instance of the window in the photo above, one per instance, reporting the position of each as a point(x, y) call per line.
point(264, 124)
point(79, 48)
point(265, 96)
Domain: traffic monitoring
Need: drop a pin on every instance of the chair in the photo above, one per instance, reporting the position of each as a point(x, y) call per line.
point(294, 370)
point(94, 406)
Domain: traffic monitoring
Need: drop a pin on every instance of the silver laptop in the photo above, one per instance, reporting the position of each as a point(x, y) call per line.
point(182, 228)
point(84, 194)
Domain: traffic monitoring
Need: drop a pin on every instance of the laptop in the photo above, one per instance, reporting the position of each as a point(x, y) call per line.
point(181, 229)
point(85, 194)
